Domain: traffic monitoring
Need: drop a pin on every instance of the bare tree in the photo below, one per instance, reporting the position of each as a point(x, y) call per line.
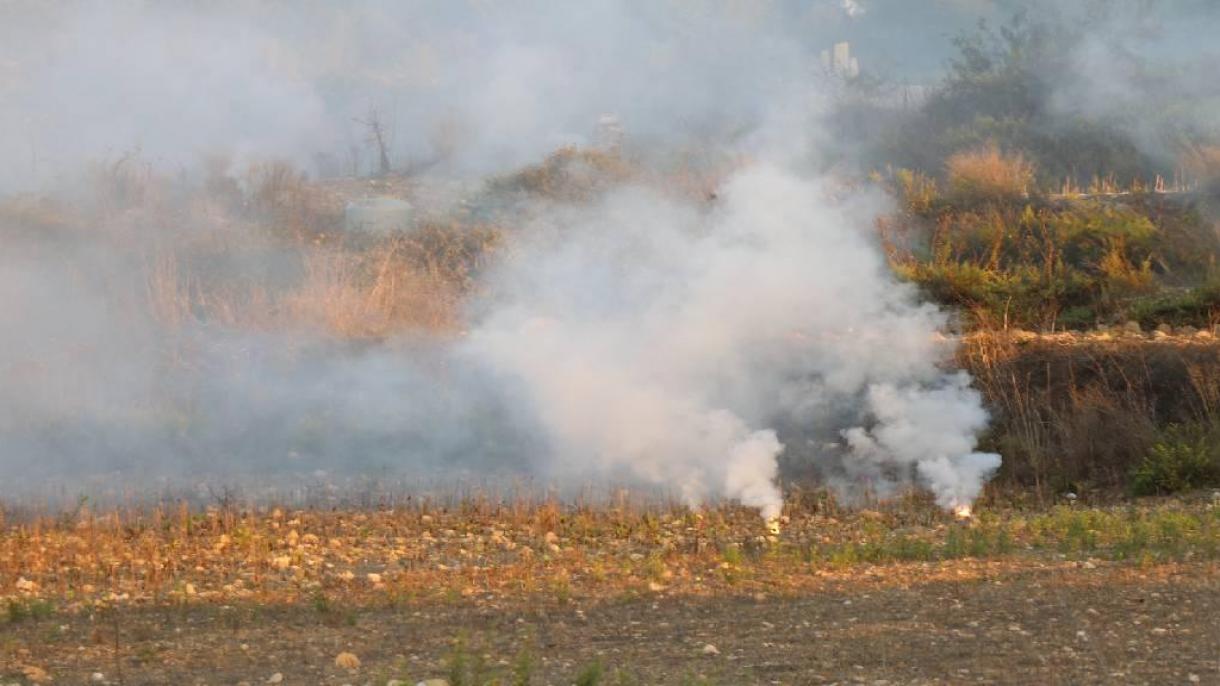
point(377, 138)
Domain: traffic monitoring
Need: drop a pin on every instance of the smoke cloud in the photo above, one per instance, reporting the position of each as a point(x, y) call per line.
point(667, 344)
point(687, 342)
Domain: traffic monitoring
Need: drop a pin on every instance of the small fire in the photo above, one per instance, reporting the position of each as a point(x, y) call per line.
point(773, 525)
point(963, 512)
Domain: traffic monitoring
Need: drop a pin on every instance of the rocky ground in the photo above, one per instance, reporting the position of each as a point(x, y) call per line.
point(1072, 595)
point(970, 622)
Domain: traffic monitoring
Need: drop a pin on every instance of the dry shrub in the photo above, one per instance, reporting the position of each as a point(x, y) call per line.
point(27, 217)
point(125, 183)
point(917, 191)
point(283, 199)
point(372, 295)
point(169, 297)
point(569, 174)
point(988, 173)
point(1086, 411)
point(693, 174)
point(394, 286)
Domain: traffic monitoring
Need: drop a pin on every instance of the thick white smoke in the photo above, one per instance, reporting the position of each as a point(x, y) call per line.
point(662, 343)
point(930, 427)
point(684, 344)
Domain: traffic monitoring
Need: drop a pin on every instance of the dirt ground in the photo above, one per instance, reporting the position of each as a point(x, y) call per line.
point(993, 623)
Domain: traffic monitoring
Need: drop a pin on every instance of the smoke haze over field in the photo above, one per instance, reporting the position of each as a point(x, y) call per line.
point(684, 341)
point(486, 87)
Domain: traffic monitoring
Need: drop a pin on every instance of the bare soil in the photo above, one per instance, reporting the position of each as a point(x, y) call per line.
point(999, 622)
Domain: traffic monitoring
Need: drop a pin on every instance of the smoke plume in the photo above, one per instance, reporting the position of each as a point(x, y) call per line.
point(667, 344)
point(692, 342)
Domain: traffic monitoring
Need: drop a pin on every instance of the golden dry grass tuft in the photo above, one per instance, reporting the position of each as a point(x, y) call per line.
point(987, 173)
point(569, 174)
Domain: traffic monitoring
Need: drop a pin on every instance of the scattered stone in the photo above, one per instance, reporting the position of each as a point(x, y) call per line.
point(276, 678)
point(1132, 327)
point(97, 678)
point(709, 649)
point(347, 661)
point(433, 682)
point(1165, 329)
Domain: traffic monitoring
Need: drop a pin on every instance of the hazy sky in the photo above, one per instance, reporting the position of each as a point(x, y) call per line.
point(82, 81)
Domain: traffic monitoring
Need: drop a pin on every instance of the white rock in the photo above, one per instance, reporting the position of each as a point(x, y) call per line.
point(276, 678)
point(97, 678)
point(709, 649)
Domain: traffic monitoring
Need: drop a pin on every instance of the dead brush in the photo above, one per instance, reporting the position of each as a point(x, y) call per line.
point(987, 173)
point(569, 174)
point(282, 199)
point(1087, 411)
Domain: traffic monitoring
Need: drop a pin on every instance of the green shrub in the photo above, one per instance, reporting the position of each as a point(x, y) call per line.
point(1196, 306)
point(1181, 460)
point(19, 610)
point(591, 675)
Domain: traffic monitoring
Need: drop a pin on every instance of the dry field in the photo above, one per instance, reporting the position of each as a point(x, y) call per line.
point(538, 593)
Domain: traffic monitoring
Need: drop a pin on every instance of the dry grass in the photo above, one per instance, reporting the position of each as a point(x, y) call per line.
point(81, 560)
point(413, 283)
point(263, 252)
point(569, 174)
point(989, 173)
point(1073, 412)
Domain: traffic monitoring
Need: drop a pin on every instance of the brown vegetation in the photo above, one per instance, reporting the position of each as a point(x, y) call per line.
point(265, 252)
point(1074, 413)
point(420, 550)
point(988, 173)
